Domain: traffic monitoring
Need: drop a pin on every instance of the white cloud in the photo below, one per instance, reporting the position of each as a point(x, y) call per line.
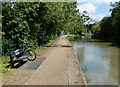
point(97, 17)
point(97, 1)
point(107, 2)
point(89, 7)
point(91, 10)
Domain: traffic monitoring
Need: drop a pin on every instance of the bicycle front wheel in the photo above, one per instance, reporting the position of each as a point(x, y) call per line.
point(32, 55)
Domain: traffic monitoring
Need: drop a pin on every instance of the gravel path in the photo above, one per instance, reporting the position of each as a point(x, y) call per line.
point(59, 68)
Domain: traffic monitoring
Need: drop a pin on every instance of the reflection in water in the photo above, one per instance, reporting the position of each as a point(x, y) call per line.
point(99, 62)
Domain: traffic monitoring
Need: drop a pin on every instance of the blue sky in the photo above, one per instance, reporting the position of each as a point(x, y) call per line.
point(96, 9)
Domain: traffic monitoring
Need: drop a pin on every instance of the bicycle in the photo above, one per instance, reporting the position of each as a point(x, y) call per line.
point(20, 54)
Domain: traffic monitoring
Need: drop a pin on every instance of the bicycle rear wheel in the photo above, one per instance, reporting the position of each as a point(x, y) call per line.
point(32, 55)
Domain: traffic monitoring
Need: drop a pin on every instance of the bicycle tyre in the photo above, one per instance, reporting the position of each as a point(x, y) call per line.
point(32, 56)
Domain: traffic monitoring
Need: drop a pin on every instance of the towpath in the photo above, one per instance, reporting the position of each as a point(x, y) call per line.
point(59, 68)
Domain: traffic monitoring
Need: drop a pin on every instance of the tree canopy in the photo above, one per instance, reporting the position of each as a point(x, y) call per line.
point(38, 22)
point(109, 27)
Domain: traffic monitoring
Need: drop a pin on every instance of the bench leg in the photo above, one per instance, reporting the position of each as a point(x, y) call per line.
point(11, 62)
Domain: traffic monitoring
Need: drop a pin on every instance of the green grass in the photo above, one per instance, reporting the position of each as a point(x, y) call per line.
point(71, 39)
point(1, 16)
point(0, 25)
point(87, 34)
point(42, 47)
point(3, 69)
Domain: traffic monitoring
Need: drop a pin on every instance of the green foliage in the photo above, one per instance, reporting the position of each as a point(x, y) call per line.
point(109, 27)
point(96, 29)
point(71, 38)
point(103, 29)
point(106, 28)
point(116, 21)
point(88, 34)
point(96, 26)
point(38, 22)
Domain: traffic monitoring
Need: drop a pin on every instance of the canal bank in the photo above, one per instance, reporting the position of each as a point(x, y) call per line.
point(76, 67)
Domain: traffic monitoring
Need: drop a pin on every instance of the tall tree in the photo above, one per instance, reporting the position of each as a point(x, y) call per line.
point(38, 22)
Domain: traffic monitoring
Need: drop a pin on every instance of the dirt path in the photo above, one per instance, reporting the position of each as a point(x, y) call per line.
point(59, 68)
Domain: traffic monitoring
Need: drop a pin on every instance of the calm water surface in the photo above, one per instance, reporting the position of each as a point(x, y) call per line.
point(98, 60)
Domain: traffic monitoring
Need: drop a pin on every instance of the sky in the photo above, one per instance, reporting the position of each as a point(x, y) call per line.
point(96, 9)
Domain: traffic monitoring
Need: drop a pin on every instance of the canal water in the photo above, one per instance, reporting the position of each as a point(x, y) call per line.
point(98, 60)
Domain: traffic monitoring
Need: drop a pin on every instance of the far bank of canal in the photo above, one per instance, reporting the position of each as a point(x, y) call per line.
point(98, 60)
